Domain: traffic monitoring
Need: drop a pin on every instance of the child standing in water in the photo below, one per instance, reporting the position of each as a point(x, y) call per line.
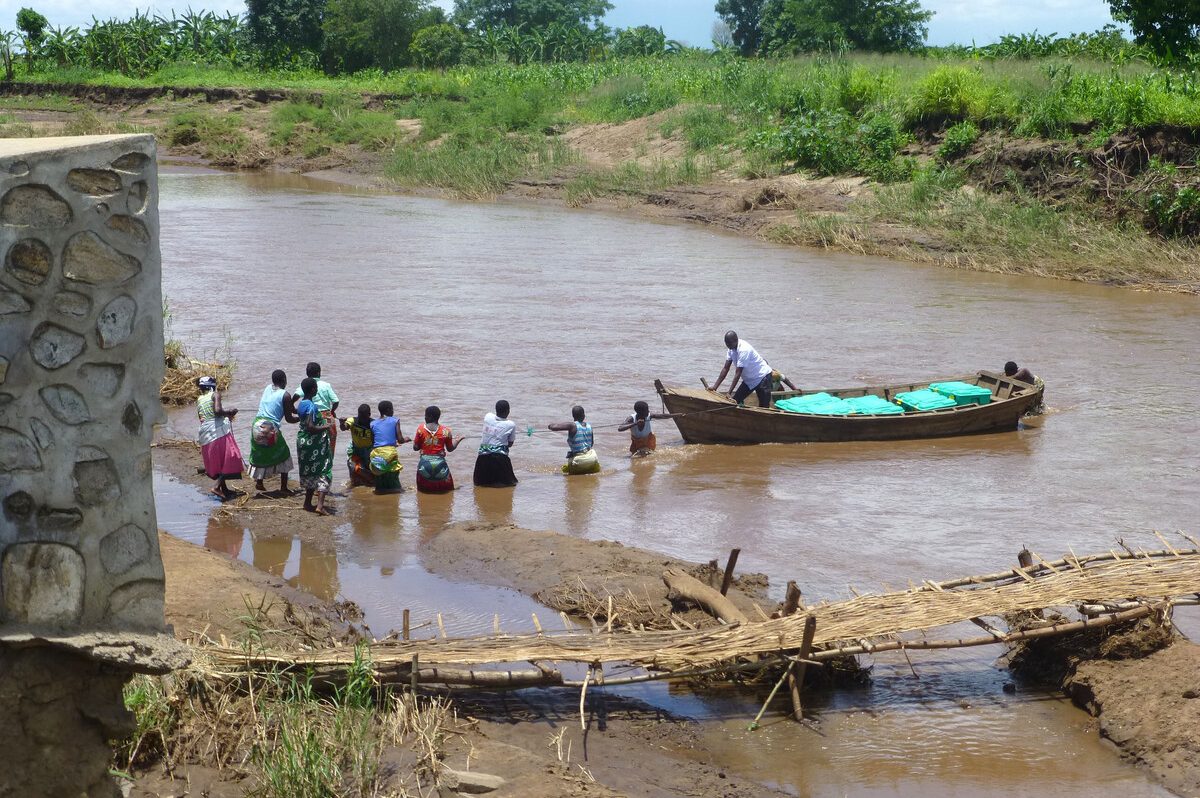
point(581, 457)
point(642, 441)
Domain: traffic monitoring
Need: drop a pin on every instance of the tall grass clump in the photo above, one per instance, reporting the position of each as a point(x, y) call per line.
point(473, 167)
point(219, 137)
point(314, 129)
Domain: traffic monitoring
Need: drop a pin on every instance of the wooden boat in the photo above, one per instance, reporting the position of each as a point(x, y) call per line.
point(711, 417)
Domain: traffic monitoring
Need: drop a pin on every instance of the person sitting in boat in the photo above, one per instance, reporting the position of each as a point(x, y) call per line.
point(1012, 371)
point(642, 441)
point(751, 370)
point(581, 457)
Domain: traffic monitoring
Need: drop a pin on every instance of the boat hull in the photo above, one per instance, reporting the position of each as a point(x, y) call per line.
point(712, 418)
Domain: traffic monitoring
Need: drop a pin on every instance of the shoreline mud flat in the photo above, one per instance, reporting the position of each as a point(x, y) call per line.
point(1144, 706)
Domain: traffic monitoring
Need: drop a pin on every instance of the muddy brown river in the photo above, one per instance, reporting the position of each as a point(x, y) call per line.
point(424, 301)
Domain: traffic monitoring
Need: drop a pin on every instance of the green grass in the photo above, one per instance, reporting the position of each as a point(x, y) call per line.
point(316, 129)
point(1008, 233)
point(219, 137)
point(632, 179)
point(475, 168)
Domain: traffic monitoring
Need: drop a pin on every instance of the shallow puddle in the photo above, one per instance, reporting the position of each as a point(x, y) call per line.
point(423, 301)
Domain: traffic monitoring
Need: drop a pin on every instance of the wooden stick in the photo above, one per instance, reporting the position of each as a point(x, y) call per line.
point(810, 629)
point(582, 698)
point(537, 624)
point(441, 626)
point(727, 580)
point(754, 723)
point(1170, 548)
point(496, 624)
point(609, 617)
point(404, 633)
point(415, 673)
point(864, 647)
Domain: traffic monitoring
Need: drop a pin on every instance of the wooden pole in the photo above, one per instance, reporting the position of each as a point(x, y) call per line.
point(791, 600)
point(416, 674)
point(728, 578)
point(796, 676)
point(404, 633)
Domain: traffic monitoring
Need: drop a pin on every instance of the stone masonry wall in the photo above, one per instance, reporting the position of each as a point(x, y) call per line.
point(81, 343)
point(80, 365)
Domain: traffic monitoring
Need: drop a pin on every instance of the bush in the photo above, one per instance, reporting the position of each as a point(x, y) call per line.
point(946, 94)
point(958, 141)
point(1175, 211)
point(439, 46)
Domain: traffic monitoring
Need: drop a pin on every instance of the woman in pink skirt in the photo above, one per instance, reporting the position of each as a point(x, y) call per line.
point(222, 457)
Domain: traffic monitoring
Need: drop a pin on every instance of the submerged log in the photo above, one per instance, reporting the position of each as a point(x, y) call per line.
point(690, 588)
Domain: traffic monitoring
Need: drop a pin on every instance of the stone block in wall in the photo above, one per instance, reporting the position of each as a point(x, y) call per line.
point(81, 344)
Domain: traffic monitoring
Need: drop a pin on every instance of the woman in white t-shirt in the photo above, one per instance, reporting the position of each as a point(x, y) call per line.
point(493, 468)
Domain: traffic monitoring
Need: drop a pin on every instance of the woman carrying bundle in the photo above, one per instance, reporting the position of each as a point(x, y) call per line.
point(434, 441)
point(269, 452)
point(218, 447)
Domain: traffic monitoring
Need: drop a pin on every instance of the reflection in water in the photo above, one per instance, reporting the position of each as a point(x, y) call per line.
point(433, 511)
point(495, 505)
point(579, 499)
point(1102, 464)
point(311, 568)
point(223, 537)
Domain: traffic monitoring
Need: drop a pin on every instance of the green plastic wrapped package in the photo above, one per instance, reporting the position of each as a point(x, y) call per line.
point(963, 393)
point(924, 400)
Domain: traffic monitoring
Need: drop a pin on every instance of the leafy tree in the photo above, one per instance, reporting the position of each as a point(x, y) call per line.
point(1169, 27)
point(482, 14)
point(283, 30)
point(790, 26)
point(439, 46)
point(744, 19)
point(374, 33)
point(32, 26)
point(642, 40)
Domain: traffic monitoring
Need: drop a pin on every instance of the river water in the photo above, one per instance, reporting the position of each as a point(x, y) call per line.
point(424, 301)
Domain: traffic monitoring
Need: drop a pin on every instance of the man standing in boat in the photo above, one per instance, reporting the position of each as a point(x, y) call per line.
point(750, 368)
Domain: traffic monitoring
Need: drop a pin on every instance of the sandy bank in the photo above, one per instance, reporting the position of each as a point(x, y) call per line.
point(1150, 708)
point(576, 576)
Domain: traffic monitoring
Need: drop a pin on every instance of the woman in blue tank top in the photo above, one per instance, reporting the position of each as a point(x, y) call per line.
point(581, 457)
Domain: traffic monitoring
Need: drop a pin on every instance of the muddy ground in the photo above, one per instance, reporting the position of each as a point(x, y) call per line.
point(1150, 708)
point(627, 749)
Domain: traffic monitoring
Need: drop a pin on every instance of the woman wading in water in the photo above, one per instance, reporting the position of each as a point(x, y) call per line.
point(314, 448)
point(218, 447)
point(434, 441)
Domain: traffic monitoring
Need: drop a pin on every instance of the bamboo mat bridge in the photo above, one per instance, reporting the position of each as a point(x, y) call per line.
point(1104, 589)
